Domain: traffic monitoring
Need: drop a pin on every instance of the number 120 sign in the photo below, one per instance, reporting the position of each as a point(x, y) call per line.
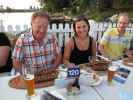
point(73, 72)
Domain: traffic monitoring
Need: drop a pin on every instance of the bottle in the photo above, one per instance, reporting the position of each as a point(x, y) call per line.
point(76, 83)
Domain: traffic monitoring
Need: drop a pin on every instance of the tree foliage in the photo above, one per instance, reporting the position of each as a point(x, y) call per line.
point(49, 5)
point(91, 8)
point(67, 6)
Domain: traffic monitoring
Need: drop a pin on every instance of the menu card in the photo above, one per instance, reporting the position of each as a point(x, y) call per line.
point(121, 75)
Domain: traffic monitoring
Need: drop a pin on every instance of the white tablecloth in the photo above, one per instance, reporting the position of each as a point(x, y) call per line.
point(117, 91)
point(104, 91)
point(8, 93)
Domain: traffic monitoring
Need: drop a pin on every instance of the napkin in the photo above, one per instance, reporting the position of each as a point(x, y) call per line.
point(51, 95)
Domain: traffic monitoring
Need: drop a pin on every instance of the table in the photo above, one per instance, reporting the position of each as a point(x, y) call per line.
point(8, 93)
point(104, 91)
point(117, 91)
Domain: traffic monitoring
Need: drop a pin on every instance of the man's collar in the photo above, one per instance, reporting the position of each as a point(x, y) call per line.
point(45, 39)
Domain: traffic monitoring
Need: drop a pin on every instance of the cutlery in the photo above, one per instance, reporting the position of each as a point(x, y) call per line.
point(104, 58)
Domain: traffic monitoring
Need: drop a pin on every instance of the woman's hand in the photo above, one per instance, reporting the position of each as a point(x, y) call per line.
point(71, 65)
point(93, 61)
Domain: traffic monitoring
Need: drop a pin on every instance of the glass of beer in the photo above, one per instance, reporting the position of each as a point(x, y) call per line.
point(28, 74)
point(111, 73)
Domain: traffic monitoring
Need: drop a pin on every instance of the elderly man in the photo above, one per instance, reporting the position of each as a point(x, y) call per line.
point(37, 47)
point(115, 40)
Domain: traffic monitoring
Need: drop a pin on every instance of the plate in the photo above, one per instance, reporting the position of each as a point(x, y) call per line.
point(128, 61)
point(88, 79)
point(87, 71)
point(99, 65)
point(96, 82)
point(19, 83)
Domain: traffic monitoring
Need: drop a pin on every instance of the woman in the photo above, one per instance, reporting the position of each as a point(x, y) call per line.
point(81, 47)
point(5, 54)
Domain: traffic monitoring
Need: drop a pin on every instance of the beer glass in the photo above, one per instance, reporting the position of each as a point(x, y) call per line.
point(111, 73)
point(28, 74)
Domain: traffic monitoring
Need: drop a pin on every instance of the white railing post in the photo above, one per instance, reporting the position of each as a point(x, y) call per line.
point(25, 27)
point(10, 28)
point(17, 28)
point(66, 31)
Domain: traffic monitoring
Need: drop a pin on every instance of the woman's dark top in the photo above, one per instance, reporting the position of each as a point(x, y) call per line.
point(77, 56)
point(4, 41)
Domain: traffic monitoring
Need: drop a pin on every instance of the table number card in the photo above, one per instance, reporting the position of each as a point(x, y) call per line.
point(73, 72)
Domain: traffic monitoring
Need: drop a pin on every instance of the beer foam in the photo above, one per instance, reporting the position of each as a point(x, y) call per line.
point(112, 68)
point(29, 77)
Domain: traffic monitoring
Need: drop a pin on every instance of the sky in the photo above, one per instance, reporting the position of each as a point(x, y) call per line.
point(19, 4)
point(17, 18)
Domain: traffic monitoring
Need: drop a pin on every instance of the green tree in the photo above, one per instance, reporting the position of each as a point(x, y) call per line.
point(95, 9)
point(49, 5)
point(73, 6)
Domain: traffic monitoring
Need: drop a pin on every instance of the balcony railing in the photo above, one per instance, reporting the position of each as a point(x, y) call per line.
point(63, 31)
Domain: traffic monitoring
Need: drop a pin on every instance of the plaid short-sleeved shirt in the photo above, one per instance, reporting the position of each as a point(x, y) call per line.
point(28, 50)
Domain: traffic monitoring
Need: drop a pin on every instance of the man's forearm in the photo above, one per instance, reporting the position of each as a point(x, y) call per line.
point(57, 61)
point(103, 51)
